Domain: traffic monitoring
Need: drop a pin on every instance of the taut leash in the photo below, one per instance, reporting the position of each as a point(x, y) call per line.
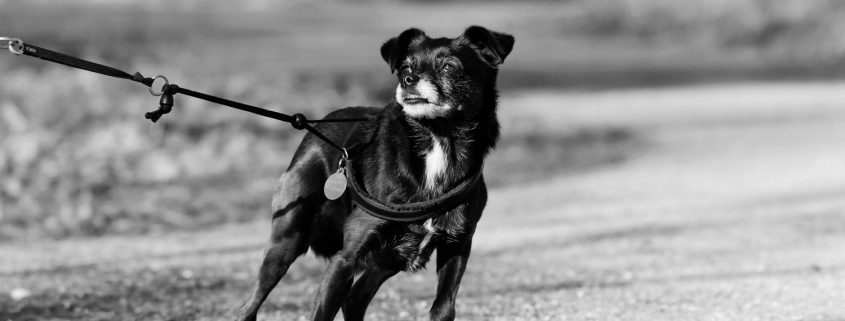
point(337, 183)
point(160, 86)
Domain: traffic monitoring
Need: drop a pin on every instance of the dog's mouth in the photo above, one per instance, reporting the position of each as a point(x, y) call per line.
point(422, 101)
point(414, 100)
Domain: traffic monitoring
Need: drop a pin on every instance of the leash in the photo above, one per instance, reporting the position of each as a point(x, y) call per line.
point(160, 86)
point(335, 185)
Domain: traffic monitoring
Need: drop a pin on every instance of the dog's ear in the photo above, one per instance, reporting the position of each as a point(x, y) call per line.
point(492, 46)
point(394, 50)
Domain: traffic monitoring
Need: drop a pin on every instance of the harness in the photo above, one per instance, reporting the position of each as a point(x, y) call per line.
point(408, 212)
point(161, 86)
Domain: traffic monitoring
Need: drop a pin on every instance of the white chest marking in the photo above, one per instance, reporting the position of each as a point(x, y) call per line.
point(429, 225)
point(435, 164)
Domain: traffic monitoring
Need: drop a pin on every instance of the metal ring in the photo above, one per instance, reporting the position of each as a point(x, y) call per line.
point(14, 45)
point(166, 83)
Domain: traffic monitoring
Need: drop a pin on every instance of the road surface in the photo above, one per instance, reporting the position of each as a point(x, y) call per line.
point(731, 207)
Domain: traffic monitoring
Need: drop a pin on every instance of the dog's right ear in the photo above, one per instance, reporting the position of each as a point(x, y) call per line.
point(492, 46)
point(394, 50)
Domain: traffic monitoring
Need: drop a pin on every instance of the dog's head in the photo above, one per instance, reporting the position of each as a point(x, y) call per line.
point(442, 76)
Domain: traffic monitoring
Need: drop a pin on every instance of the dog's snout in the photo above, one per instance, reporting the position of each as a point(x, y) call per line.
point(410, 79)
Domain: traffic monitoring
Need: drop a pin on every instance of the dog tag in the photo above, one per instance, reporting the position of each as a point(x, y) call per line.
point(335, 185)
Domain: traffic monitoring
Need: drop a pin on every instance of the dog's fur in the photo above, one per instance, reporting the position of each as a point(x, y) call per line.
point(437, 131)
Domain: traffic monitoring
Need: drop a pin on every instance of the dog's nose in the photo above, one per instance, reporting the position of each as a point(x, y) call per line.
point(410, 79)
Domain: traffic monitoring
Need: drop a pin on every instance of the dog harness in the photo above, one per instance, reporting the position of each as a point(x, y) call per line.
point(347, 176)
point(410, 212)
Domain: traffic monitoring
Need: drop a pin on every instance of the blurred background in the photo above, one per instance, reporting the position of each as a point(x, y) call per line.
point(648, 107)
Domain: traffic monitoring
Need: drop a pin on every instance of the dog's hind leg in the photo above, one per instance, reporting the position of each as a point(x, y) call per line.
point(334, 288)
point(359, 232)
point(362, 293)
point(294, 212)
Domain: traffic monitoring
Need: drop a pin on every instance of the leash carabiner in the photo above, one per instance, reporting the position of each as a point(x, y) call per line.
point(15, 45)
point(341, 164)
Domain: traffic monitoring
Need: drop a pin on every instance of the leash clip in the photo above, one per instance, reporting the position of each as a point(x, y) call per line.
point(341, 164)
point(14, 45)
point(165, 103)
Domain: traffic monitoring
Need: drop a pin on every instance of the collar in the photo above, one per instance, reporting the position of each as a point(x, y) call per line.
point(410, 212)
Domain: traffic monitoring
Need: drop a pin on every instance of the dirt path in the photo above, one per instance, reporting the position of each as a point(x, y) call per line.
point(733, 209)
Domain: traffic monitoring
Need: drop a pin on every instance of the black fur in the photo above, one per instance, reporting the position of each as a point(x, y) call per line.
point(392, 168)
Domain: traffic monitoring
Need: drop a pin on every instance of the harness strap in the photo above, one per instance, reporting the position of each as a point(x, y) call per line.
point(411, 212)
point(33, 51)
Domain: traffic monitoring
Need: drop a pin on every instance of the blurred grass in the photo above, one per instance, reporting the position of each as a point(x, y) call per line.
point(77, 158)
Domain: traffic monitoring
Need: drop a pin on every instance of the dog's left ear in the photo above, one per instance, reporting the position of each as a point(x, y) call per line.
point(492, 46)
point(395, 49)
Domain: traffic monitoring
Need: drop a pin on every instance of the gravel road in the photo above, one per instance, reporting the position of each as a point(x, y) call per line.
point(731, 208)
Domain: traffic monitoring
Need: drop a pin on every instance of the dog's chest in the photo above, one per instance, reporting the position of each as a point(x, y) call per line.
point(411, 248)
point(435, 164)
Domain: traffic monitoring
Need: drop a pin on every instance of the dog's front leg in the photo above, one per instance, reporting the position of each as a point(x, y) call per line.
point(451, 263)
point(363, 291)
point(333, 289)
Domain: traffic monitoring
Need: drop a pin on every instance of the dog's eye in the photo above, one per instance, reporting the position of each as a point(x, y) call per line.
point(448, 67)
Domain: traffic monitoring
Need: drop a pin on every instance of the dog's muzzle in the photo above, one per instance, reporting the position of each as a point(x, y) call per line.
point(421, 100)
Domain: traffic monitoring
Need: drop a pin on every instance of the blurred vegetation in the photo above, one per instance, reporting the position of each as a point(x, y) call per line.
point(807, 28)
point(77, 157)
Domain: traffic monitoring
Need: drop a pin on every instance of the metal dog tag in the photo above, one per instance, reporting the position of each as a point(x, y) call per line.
point(335, 185)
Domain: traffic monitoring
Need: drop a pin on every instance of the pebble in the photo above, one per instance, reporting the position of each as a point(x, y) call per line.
point(18, 294)
point(186, 274)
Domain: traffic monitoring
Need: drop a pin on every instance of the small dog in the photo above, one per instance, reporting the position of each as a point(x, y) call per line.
point(438, 130)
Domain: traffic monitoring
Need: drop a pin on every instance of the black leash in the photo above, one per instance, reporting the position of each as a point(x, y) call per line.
point(160, 86)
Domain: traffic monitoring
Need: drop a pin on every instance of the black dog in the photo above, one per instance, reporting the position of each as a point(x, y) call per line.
point(437, 132)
